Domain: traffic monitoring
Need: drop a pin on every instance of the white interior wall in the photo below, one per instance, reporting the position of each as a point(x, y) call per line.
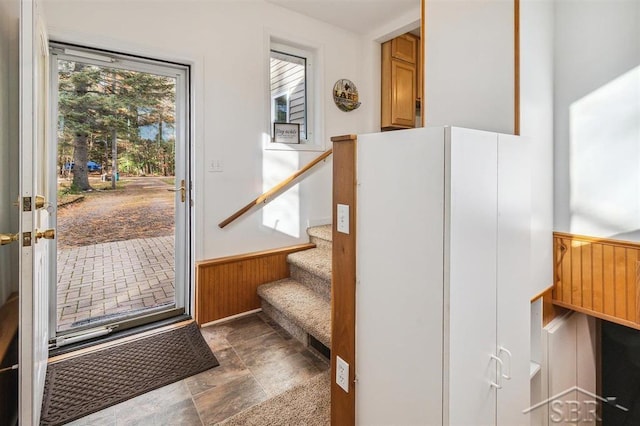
point(469, 71)
point(469, 67)
point(225, 42)
point(9, 12)
point(370, 94)
point(536, 123)
point(597, 118)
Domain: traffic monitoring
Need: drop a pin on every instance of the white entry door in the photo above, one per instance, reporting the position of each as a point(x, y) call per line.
point(35, 235)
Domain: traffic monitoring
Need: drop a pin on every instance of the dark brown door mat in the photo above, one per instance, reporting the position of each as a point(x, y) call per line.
point(80, 386)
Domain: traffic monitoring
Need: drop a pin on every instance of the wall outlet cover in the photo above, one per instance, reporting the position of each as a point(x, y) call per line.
point(342, 374)
point(343, 218)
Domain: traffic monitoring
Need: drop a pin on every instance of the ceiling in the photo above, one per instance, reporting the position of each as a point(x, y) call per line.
point(359, 16)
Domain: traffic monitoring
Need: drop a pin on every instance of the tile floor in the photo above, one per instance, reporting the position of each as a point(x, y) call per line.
point(107, 279)
point(258, 360)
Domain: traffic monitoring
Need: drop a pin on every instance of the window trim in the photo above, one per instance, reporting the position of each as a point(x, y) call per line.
point(314, 101)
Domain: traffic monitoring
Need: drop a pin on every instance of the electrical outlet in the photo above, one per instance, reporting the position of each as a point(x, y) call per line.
point(342, 374)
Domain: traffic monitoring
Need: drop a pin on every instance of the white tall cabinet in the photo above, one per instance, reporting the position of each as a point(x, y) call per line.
point(442, 249)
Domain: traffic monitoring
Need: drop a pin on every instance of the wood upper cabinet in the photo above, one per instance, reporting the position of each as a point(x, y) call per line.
point(400, 63)
point(405, 48)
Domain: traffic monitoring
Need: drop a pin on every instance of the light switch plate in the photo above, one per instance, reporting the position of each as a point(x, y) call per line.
point(343, 218)
point(216, 166)
point(342, 374)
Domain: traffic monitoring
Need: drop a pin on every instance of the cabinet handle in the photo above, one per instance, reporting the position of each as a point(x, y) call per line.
point(508, 352)
point(498, 383)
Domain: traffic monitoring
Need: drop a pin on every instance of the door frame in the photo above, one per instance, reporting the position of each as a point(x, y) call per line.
point(184, 262)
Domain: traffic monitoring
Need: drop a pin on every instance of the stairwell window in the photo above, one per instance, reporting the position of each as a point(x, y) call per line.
point(291, 89)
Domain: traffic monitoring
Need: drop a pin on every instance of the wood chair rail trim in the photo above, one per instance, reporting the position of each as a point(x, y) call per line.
point(542, 293)
point(606, 241)
point(254, 255)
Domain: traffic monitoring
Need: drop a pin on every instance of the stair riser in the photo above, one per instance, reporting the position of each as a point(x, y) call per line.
point(321, 243)
point(314, 282)
point(294, 329)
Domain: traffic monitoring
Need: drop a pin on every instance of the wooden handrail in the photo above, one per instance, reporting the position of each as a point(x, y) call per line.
point(264, 198)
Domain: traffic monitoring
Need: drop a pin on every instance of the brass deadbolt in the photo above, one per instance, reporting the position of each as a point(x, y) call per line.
point(40, 201)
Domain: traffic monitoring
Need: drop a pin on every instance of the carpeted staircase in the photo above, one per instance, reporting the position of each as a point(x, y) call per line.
point(301, 304)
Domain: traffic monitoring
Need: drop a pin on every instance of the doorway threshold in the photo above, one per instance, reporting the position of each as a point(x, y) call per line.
point(116, 335)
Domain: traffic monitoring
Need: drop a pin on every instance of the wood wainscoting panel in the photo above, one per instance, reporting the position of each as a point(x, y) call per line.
point(228, 286)
point(343, 288)
point(8, 323)
point(598, 276)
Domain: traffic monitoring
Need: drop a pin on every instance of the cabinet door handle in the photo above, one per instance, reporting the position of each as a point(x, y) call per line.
point(498, 383)
point(508, 352)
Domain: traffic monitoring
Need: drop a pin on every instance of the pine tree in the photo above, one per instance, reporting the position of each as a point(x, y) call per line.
point(98, 102)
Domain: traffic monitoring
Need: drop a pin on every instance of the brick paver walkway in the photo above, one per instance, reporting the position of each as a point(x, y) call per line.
point(104, 280)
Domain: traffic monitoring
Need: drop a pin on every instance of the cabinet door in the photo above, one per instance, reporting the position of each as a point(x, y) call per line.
point(470, 277)
point(513, 275)
point(404, 48)
point(399, 86)
point(569, 370)
point(403, 101)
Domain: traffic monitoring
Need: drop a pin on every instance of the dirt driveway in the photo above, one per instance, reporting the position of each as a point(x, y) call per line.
point(142, 208)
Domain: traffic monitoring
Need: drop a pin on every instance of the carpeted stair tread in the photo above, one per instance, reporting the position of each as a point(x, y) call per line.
point(323, 232)
point(302, 305)
point(317, 261)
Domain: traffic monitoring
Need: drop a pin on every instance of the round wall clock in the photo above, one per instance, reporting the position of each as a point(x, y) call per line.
point(345, 95)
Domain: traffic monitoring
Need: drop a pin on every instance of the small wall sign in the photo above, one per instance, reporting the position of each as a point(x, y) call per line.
point(286, 132)
point(345, 95)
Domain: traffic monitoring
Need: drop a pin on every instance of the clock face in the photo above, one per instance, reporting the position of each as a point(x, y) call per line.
point(345, 95)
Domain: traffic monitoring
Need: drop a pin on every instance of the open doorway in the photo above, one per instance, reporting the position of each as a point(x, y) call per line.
point(402, 81)
point(121, 164)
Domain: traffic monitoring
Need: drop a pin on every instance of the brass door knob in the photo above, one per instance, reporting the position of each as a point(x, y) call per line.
point(8, 238)
point(48, 234)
